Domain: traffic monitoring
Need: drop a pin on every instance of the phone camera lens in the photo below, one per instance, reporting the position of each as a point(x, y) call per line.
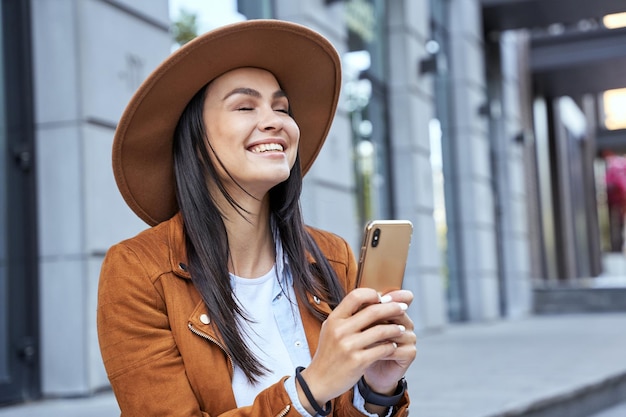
point(375, 238)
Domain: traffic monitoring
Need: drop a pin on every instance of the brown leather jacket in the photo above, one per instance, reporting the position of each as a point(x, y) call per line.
point(161, 355)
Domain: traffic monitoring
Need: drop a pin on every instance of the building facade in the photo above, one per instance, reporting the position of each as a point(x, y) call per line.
point(448, 117)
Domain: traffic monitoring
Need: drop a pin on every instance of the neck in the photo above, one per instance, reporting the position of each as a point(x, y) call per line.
point(250, 240)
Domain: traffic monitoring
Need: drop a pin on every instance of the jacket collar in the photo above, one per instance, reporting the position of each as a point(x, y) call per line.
point(178, 251)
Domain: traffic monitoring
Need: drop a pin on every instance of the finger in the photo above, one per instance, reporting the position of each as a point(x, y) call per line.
point(349, 343)
point(400, 296)
point(354, 301)
point(402, 319)
point(379, 351)
point(382, 313)
point(382, 333)
point(408, 338)
point(389, 332)
point(404, 355)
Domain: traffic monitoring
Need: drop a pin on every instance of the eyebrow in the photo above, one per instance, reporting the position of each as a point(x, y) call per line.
point(253, 93)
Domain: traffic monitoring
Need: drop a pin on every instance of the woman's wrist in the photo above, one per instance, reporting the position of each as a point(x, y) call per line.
point(314, 406)
point(388, 399)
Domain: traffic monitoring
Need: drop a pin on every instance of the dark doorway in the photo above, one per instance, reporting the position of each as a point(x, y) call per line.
point(19, 318)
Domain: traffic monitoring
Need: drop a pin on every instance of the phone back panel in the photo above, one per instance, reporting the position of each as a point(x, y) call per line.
point(384, 253)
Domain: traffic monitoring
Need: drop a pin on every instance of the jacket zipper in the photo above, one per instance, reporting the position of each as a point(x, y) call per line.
point(285, 411)
point(212, 339)
point(203, 335)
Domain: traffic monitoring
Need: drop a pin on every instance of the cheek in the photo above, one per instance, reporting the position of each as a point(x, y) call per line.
point(219, 135)
point(294, 134)
point(293, 130)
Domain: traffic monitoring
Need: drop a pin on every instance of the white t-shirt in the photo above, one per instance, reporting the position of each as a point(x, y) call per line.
point(261, 335)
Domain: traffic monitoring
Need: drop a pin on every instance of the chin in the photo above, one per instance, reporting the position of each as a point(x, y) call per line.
point(267, 181)
point(280, 174)
point(282, 178)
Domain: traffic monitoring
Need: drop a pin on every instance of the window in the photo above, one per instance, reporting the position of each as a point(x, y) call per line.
point(366, 92)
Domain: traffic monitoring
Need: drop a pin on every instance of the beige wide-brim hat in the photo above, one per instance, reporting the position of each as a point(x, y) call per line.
point(305, 64)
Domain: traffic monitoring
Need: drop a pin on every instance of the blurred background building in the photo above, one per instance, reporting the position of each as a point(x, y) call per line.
point(495, 126)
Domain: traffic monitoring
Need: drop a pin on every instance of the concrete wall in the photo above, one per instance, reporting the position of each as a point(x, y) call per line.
point(475, 224)
point(411, 106)
point(510, 146)
point(89, 57)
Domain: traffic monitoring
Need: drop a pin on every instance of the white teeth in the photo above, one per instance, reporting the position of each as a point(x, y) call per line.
point(265, 147)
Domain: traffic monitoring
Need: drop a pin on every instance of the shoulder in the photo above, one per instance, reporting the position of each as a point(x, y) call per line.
point(328, 242)
point(338, 253)
point(150, 250)
point(145, 241)
point(158, 234)
point(335, 248)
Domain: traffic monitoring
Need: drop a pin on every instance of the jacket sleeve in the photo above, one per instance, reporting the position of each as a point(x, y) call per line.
point(142, 361)
point(345, 404)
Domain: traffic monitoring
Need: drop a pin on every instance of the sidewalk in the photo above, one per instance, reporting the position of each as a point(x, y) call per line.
point(561, 366)
point(615, 411)
point(100, 405)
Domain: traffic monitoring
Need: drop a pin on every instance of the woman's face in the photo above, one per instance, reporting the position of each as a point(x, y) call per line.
point(249, 128)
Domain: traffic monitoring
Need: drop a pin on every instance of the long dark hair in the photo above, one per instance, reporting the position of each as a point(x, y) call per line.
point(207, 242)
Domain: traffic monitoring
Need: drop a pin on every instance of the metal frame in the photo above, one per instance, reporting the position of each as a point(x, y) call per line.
point(501, 15)
point(578, 63)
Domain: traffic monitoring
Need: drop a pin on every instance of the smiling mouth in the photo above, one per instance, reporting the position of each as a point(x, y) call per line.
point(267, 147)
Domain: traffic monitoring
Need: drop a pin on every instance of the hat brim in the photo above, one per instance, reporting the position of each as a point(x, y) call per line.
point(305, 64)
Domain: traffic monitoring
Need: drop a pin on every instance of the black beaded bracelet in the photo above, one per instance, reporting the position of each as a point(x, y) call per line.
point(309, 396)
point(378, 399)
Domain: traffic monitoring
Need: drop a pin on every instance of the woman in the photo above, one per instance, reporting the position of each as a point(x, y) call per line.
point(229, 304)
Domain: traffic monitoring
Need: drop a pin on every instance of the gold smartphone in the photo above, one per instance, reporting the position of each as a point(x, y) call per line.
point(383, 255)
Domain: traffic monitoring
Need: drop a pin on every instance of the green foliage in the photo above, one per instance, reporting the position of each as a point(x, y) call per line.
point(185, 28)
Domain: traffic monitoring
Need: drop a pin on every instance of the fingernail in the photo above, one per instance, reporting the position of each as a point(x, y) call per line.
point(385, 299)
point(403, 306)
point(402, 328)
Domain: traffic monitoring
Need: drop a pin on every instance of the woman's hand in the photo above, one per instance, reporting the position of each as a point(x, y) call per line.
point(383, 375)
point(362, 336)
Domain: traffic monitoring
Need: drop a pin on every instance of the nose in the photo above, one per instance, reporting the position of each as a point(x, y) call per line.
point(270, 119)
